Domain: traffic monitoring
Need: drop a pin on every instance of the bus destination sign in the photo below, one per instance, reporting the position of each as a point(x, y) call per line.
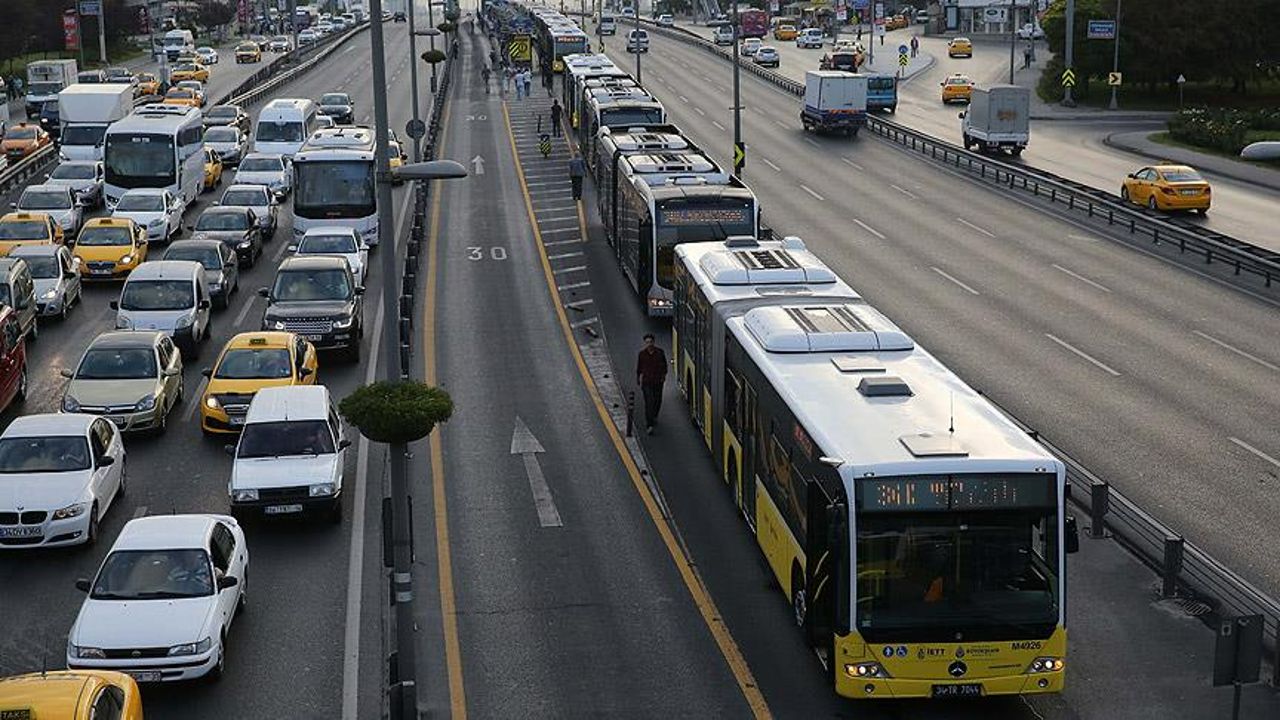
point(956, 492)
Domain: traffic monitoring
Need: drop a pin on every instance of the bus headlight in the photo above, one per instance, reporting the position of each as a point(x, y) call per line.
point(866, 670)
point(1045, 664)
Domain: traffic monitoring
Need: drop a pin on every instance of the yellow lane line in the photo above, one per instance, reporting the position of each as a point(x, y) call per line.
point(701, 597)
point(444, 561)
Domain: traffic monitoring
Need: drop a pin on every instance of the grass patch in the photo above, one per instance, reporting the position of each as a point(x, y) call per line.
point(1163, 138)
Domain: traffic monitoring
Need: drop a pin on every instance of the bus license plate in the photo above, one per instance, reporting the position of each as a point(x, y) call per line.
point(282, 509)
point(958, 690)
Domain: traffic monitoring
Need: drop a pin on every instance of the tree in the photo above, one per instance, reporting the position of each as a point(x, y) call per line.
point(396, 412)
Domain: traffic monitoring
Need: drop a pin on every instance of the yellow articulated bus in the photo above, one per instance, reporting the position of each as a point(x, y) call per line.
point(919, 535)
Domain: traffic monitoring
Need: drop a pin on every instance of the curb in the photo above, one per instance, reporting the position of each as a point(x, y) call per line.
point(1229, 171)
point(1102, 116)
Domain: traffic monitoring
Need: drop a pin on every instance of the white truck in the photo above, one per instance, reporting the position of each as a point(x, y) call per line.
point(85, 111)
point(179, 42)
point(834, 101)
point(45, 79)
point(998, 118)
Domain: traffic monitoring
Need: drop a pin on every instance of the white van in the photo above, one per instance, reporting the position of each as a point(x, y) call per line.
point(723, 34)
point(284, 125)
point(290, 456)
point(608, 25)
point(178, 43)
point(169, 296)
point(638, 41)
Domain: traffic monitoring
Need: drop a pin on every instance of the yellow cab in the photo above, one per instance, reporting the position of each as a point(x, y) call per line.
point(189, 71)
point(784, 32)
point(249, 362)
point(396, 156)
point(110, 248)
point(1168, 187)
point(148, 84)
point(960, 47)
point(212, 169)
point(181, 96)
point(22, 140)
point(957, 88)
point(24, 228)
point(70, 695)
point(248, 52)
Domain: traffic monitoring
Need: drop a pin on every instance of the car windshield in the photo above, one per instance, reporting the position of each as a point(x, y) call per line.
point(958, 81)
point(157, 295)
point(1182, 175)
point(50, 453)
point(154, 575)
point(330, 244)
point(222, 111)
point(261, 164)
point(45, 200)
point(245, 197)
point(221, 135)
point(335, 99)
point(102, 235)
point(186, 68)
point(143, 202)
point(279, 439)
point(83, 134)
point(74, 171)
point(223, 221)
point(255, 364)
point(24, 230)
point(308, 285)
point(208, 257)
point(43, 267)
point(178, 93)
point(279, 132)
point(117, 364)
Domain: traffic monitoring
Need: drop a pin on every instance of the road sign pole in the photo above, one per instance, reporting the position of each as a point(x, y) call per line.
point(1067, 98)
point(1013, 35)
point(102, 34)
point(1115, 62)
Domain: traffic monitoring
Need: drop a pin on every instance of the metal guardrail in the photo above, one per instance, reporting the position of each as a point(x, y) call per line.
point(1241, 256)
point(1185, 569)
point(28, 167)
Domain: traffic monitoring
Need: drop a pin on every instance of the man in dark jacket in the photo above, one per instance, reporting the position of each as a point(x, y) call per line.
point(556, 112)
point(651, 374)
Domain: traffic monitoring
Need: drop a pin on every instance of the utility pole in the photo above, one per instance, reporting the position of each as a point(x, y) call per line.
point(293, 23)
point(1115, 61)
point(431, 20)
point(1067, 99)
point(738, 150)
point(413, 75)
point(635, 6)
point(1013, 34)
point(102, 33)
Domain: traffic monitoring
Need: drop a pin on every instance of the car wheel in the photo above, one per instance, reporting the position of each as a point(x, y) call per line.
point(34, 333)
point(91, 535)
point(353, 352)
point(1203, 211)
point(124, 478)
point(215, 674)
point(66, 309)
point(242, 602)
point(1151, 202)
point(335, 513)
point(21, 394)
point(1124, 193)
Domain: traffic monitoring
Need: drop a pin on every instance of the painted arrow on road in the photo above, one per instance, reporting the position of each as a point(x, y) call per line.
point(478, 163)
point(524, 444)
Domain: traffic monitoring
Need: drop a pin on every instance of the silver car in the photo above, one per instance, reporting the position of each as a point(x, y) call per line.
point(227, 140)
point(56, 201)
point(258, 198)
point(84, 177)
point(134, 378)
point(273, 171)
point(56, 275)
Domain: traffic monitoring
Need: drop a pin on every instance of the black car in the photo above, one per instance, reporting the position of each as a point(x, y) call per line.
point(227, 115)
point(49, 120)
point(235, 227)
point(317, 297)
point(398, 17)
point(221, 267)
point(338, 106)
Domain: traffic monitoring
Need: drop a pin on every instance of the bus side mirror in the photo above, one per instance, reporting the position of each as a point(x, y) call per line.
point(1071, 535)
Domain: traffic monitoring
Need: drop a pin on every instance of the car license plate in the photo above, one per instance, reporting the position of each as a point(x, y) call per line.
point(117, 420)
point(1190, 192)
point(146, 676)
point(282, 509)
point(312, 338)
point(100, 271)
point(958, 690)
point(236, 419)
point(21, 531)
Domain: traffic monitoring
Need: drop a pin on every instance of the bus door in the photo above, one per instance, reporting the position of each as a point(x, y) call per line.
point(747, 487)
point(825, 549)
point(644, 263)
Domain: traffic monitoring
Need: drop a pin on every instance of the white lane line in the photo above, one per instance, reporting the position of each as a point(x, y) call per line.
point(1082, 354)
point(851, 163)
point(558, 230)
point(971, 226)
point(1082, 278)
point(699, 110)
point(718, 126)
point(244, 309)
point(812, 142)
point(769, 162)
point(562, 256)
point(1255, 451)
point(1238, 351)
point(1086, 238)
point(548, 515)
point(869, 229)
point(194, 401)
point(558, 208)
point(577, 304)
point(564, 271)
point(581, 323)
point(355, 556)
point(966, 288)
point(903, 190)
point(782, 124)
point(815, 195)
point(684, 99)
point(140, 511)
point(572, 286)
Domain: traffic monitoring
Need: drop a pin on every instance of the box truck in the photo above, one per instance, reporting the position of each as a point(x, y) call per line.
point(84, 112)
point(834, 101)
point(45, 79)
point(998, 118)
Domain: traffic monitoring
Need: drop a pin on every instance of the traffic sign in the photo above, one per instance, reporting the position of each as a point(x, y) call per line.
point(1101, 30)
point(1115, 78)
point(518, 49)
point(739, 157)
point(415, 129)
point(90, 7)
point(903, 60)
point(1068, 78)
point(903, 49)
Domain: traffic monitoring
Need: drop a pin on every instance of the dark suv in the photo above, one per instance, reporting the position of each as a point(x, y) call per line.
point(317, 297)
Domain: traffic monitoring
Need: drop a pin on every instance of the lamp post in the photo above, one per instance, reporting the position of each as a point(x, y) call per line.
point(737, 97)
point(413, 79)
point(432, 39)
point(636, 7)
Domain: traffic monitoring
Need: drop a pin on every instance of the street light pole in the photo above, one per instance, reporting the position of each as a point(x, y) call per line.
point(737, 95)
point(1115, 61)
point(1067, 99)
point(431, 20)
point(413, 79)
point(1013, 35)
point(635, 6)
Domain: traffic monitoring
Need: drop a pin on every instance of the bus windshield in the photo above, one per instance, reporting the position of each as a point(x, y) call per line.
point(984, 575)
point(681, 220)
point(139, 160)
point(279, 132)
point(629, 116)
point(334, 188)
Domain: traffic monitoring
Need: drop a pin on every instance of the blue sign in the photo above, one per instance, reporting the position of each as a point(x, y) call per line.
point(1101, 30)
point(90, 7)
point(903, 49)
point(861, 4)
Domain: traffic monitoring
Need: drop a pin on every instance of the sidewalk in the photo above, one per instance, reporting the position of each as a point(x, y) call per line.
point(886, 61)
point(1041, 110)
point(1138, 142)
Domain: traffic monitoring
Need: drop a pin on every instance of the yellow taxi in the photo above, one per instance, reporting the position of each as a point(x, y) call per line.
point(110, 248)
point(396, 156)
point(148, 84)
point(181, 96)
point(248, 52)
point(212, 169)
point(1168, 187)
point(70, 695)
point(24, 228)
point(784, 32)
point(960, 47)
point(189, 71)
point(957, 88)
point(249, 362)
point(22, 140)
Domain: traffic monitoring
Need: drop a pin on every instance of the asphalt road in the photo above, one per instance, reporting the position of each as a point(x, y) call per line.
point(1159, 379)
point(285, 656)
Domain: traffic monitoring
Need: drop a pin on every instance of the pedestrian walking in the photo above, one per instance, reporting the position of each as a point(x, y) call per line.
point(577, 170)
point(915, 46)
point(651, 375)
point(519, 78)
point(528, 82)
point(1026, 57)
point(556, 112)
point(504, 77)
point(484, 75)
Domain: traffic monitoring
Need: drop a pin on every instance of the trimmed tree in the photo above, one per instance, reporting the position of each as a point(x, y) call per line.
point(396, 412)
point(433, 56)
point(446, 27)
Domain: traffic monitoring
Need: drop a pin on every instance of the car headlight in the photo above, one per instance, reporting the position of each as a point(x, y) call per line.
point(49, 295)
point(244, 495)
point(244, 244)
point(156, 223)
point(70, 404)
point(123, 323)
point(87, 652)
point(126, 259)
point(194, 648)
point(344, 323)
point(212, 403)
point(322, 489)
point(69, 511)
point(185, 321)
point(145, 403)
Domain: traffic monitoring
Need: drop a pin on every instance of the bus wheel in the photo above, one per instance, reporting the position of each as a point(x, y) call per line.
point(798, 606)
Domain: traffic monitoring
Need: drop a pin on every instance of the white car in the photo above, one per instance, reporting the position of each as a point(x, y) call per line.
point(257, 198)
point(308, 36)
point(749, 46)
point(274, 171)
point(162, 603)
point(766, 56)
point(56, 275)
point(665, 20)
point(207, 55)
point(1031, 31)
point(228, 142)
point(809, 38)
point(156, 209)
point(62, 472)
point(337, 240)
point(56, 201)
point(84, 177)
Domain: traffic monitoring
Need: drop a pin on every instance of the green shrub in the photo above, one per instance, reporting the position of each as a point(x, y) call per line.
point(396, 412)
point(433, 56)
point(1221, 129)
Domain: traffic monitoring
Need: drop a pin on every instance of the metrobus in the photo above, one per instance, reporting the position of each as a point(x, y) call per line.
point(593, 87)
point(753, 23)
point(618, 108)
point(663, 199)
point(156, 146)
point(577, 70)
point(333, 177)
point(918, 533)
point(556, 36)
point(612, 145)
